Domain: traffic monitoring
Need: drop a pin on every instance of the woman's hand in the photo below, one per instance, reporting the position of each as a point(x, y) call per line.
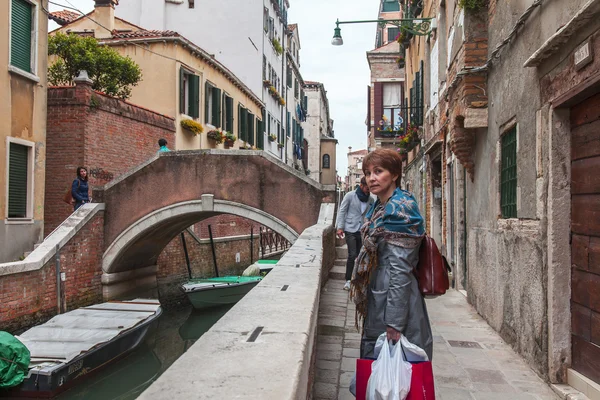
point(393, 334)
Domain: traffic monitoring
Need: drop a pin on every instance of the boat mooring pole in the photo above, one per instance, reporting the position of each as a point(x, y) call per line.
point(251, 244)
point(187, 257)
point(212, 246)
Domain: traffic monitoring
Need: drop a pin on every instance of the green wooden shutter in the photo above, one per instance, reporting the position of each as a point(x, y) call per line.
point(20, 36)
point(260, 134)
point(194, 85)
point(181, 91)
point(216, 107)
point(269, 125)
point(243, 123)
point(392, 34)
point(17, 181)
point(207, 96)
point(229, 114)
point(251, 128)
point(294, 134)
point(287, 125)
point(508, 178)
point(289, 77)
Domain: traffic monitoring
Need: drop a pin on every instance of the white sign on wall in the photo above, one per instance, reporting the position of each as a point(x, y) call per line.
point(434, 87)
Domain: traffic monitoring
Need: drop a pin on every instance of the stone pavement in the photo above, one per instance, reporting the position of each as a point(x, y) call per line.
point(470, 360)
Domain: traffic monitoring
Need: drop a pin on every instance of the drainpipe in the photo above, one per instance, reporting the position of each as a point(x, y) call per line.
point(465, 280)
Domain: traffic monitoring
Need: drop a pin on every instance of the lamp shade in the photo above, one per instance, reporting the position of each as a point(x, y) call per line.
point(337, 37)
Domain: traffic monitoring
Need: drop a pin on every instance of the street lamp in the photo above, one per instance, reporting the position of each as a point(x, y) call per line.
point(416, 26)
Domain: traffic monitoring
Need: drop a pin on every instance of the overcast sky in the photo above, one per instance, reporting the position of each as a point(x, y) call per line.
point(343, 69)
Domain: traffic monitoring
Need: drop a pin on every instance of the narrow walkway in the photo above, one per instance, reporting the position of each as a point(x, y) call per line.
point(470, 360)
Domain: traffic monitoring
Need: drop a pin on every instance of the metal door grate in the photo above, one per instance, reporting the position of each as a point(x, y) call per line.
point(508, 185)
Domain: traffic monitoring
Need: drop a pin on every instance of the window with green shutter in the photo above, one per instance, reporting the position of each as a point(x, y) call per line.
point(189, 93)
point(228, 113)
point(21, 34)
point(390, 6)
point(508, 178)
point(242, 123)
point(250, 129)
point(260, 133)
point(216, 107)
point(17, 180)
point(392, 34)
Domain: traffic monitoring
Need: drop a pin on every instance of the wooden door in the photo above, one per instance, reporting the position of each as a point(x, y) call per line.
point(585, 242)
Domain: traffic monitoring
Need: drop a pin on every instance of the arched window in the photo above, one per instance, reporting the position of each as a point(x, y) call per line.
point(326, 161)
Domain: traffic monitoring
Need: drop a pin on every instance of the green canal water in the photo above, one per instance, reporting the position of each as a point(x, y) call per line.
point(129, 377)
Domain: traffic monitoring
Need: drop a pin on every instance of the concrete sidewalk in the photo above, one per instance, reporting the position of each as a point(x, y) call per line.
point(470, 360)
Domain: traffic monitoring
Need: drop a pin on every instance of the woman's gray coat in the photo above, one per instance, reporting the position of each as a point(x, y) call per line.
point(394, 300)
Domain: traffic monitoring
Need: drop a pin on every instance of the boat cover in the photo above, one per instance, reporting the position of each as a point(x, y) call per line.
point(14, 361)
point(220, 281)
point(67, 335)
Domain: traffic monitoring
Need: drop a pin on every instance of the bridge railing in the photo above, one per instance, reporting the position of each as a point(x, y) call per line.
point(264, 347)
point(271, 242)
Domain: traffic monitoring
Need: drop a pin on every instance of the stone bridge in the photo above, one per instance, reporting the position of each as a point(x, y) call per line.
point(149, 206)
point(109, 249)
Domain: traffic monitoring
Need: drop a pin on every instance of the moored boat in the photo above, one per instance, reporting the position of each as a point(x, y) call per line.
point(212, 292)
point(71, 346)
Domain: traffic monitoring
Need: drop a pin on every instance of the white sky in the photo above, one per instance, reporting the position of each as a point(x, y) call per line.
point(342, 69)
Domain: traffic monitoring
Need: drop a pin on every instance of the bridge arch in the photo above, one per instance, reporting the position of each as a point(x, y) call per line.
point(139, 245)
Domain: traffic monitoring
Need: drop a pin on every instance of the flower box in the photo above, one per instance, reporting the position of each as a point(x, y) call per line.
point(272, 138)
point(192, 126)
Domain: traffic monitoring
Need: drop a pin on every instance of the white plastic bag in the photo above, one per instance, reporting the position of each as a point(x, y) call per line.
point(412, 353)
point(390, 376)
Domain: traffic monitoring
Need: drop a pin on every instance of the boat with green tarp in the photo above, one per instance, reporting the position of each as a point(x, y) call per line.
point(212, 292)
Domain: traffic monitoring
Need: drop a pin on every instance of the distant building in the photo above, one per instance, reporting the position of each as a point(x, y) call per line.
point(355, 172)
point(319, 133)
point(23, 121)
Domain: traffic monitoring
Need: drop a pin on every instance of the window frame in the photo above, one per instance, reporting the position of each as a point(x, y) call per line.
point(28, 219)
point(508, 209)
point(227, 122)
point(326, 165)
point(34, 41)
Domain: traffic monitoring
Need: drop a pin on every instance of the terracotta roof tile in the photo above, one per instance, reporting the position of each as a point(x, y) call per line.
point(63, 17)
point(143, 34)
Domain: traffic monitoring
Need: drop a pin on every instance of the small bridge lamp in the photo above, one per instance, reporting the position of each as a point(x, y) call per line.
point(416, 26)
point(337, 35)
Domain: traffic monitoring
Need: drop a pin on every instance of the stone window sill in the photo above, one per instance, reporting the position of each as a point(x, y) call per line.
point(24, 74)
point(517, 225)
point(18, 221)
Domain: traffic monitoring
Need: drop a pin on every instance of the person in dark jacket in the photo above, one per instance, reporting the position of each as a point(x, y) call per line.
point(79, 188)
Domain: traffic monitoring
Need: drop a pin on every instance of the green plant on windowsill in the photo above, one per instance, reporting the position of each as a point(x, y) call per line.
point(472, 5)
point(195, 127)
point(272, 137)
point(280, 145)
point(217, 135)
point(277, 46)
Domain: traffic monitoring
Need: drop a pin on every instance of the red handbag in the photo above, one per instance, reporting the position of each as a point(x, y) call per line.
point(432, 270)
point(421, 382)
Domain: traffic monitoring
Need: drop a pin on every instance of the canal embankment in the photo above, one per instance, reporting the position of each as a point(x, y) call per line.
point(264, 347)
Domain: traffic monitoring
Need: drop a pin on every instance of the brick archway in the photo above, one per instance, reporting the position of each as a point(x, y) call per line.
point(141, 243)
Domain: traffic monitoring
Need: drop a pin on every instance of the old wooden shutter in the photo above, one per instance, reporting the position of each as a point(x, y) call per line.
point(243, 123)
point(251, 128)
point(216, 107)
point(287, 125)
point(413, 115)
point(182, 91)
point(17, 181)
point(228, 114)
point(378, 102)
point(20, 36)
point(289, 77)
point(207, 96)
point(369, 108)
point(194, 86)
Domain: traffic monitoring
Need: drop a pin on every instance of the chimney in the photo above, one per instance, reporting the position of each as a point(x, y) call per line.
point(104, 14)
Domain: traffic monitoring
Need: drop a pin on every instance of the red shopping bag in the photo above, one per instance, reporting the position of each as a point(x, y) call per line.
point(421, 382)
point(363, 372)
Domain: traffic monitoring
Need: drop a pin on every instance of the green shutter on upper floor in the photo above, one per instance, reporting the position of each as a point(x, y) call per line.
point(17, 181)
point(216, 107)
point(228, 114)
point(194, 86)
point(181, 91)
point(260, 133)
point(207, 96)
point(287, 124)
point(21, 34)
point(251, 129)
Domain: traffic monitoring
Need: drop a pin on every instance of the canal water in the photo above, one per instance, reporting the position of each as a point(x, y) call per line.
point(126, 379)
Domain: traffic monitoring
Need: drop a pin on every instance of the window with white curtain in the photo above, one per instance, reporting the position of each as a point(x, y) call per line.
point(392, 99)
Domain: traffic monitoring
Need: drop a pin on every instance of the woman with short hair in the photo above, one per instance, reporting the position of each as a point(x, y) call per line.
point(384, 288)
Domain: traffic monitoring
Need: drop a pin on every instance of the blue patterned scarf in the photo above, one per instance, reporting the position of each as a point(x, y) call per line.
point(397, 221)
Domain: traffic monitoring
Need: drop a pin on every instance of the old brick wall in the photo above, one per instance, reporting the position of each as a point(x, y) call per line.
point(107, 135)
point(28, 299)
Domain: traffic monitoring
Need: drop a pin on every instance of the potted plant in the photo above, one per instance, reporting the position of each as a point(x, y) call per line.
point(267, 83)
point(280, 145)
point(277, 46)
point(272, 137)
point(229, 139)
point(282, 101)
point(272, 89)
point(216, 135)
point(192, 126)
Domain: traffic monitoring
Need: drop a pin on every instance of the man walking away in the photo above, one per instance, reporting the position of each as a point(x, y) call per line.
point(349, 220)
point(162, 143)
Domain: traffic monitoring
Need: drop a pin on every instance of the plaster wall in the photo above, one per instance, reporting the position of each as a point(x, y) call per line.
point(239, 49)
point(23, 117)
point(329, 175)
point(314, 127)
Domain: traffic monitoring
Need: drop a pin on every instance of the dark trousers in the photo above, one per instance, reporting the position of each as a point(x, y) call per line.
point(354, 242)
